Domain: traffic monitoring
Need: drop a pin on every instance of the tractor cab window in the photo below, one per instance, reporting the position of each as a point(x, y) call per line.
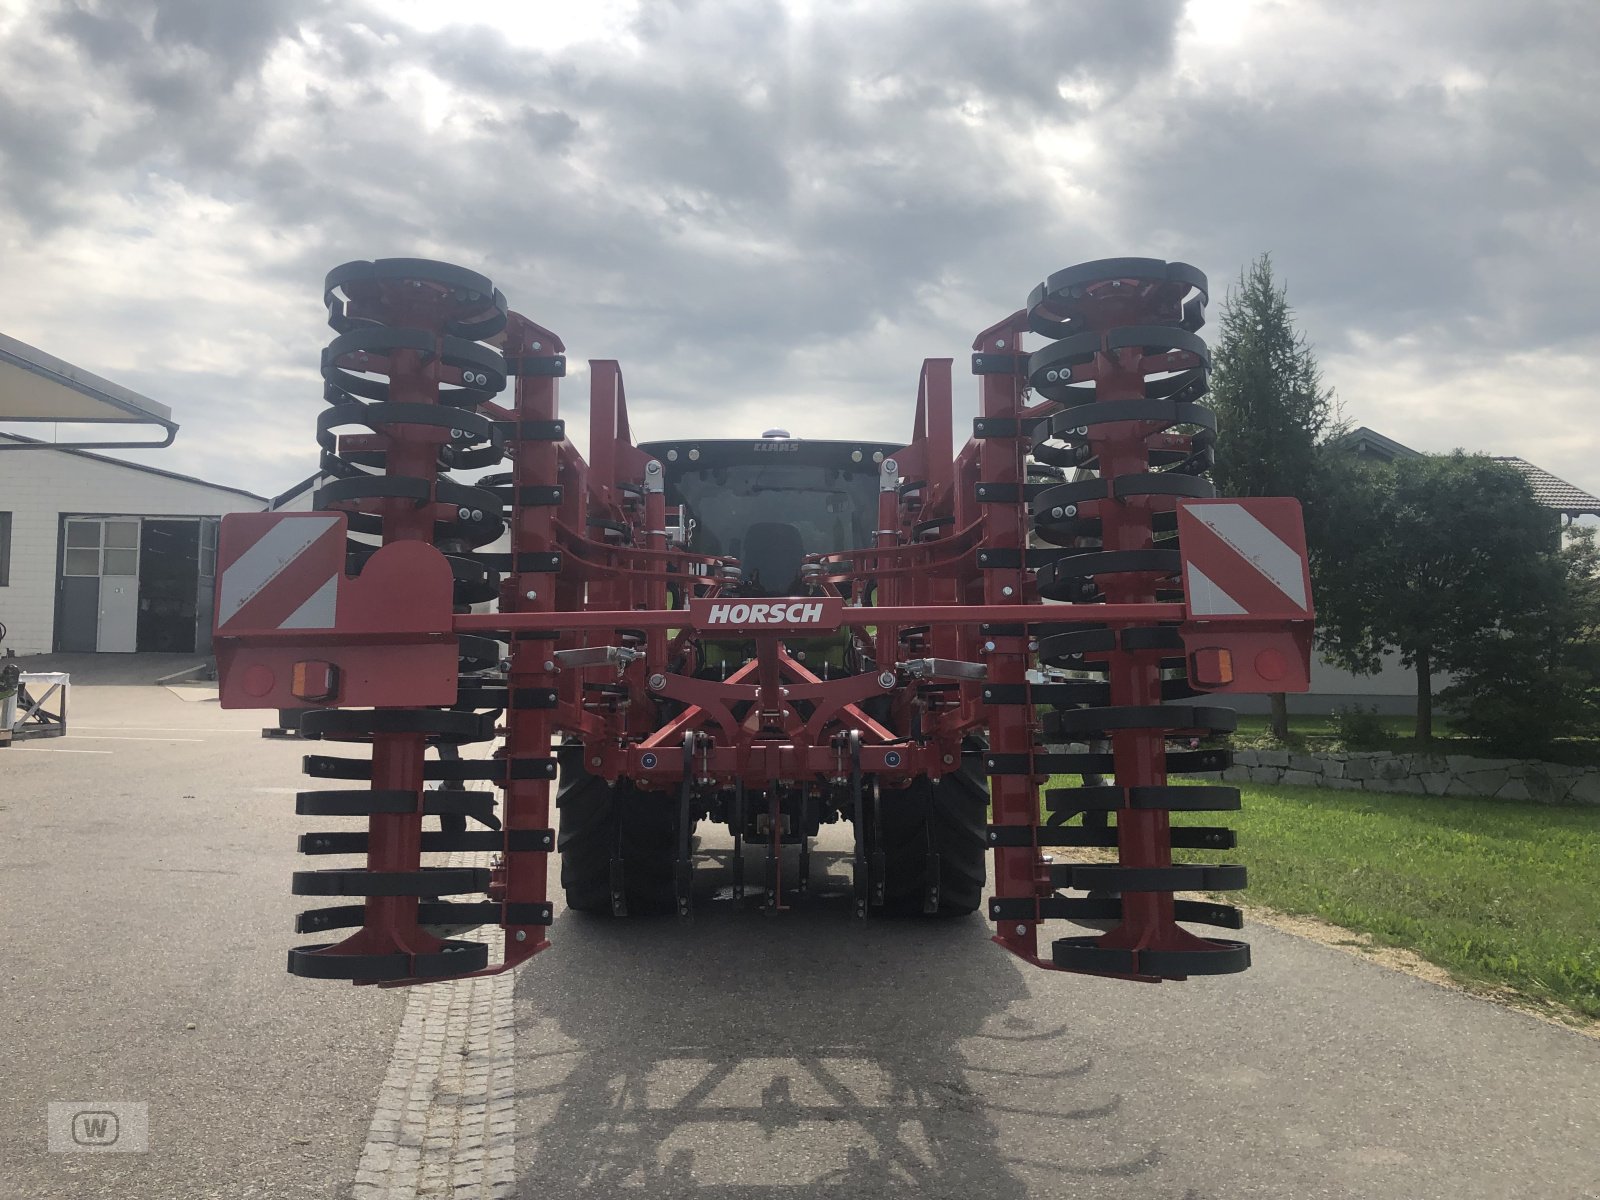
point(748, 510)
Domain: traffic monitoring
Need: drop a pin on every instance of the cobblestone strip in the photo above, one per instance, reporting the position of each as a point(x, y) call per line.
point(444, 1124)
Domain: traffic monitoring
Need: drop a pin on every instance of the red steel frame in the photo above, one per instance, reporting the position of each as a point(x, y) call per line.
point(391, 925)
point(933, 601)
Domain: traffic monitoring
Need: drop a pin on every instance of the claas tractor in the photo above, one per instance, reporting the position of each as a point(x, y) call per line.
point(768, 511)
point(976, 660)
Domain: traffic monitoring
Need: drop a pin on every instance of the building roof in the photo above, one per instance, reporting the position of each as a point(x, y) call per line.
point(1373, 444)
point(1549, 491)
point(306, 484)
point(1552, 492)
point(35, 386)
point(131, 466)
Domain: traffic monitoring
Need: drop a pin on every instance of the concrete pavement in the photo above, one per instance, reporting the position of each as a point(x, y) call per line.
point(804, 1054)
point(145, 860)
point(810, 1055)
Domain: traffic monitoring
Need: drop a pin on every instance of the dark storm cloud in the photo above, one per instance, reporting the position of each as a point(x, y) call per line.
point(1394, 217)
point(736, 199)
point(98, 87)
point(1461, 204)
point(548, 129)
point(227, 40)
point(40, 160)
point(743, 181)
point(673, 142)
point(1015, 55)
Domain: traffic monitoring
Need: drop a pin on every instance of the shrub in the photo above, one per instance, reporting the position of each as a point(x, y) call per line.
point(1524, 706)
point(1360, 727)
point(1537, 679)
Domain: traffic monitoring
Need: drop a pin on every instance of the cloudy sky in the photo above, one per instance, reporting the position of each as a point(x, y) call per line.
point(772, 211)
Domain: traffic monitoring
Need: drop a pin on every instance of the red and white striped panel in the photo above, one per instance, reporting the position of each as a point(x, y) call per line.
point(279, 571)
point(1244, 560)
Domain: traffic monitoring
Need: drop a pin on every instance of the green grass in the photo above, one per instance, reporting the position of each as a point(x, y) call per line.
point(1495, 892)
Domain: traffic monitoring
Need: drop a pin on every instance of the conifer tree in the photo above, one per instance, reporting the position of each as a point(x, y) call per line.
point(1273, 412)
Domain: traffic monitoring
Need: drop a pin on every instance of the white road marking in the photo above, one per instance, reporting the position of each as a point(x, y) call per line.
point(55, 750)
point(168, 728)
point(105, 737)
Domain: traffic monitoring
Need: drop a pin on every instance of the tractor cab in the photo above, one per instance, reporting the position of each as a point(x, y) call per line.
point(771, 501)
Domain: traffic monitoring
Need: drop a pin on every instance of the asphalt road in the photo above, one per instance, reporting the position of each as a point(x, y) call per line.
point(801, 1054)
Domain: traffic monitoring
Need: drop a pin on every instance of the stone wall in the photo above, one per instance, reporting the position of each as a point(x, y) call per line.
point(1421, 774)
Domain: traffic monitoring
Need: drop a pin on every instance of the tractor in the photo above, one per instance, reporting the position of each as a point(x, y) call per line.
point(973, 659)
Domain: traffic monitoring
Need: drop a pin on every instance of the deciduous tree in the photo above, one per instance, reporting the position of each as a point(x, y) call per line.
point(1537, 678)
point(1439, 558)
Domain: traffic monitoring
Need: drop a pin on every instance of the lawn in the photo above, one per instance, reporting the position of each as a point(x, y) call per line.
point(1495, 892)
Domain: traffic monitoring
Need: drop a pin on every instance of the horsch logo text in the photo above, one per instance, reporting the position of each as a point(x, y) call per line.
point(818, 613)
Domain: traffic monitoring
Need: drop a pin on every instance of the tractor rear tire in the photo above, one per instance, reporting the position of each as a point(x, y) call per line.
point(599, 820)
point(948, 819)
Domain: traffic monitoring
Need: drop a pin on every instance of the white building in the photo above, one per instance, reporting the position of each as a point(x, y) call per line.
point(100, 554)
point(97, 553)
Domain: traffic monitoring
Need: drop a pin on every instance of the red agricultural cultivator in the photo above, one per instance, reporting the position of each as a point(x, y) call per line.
point(768, 635)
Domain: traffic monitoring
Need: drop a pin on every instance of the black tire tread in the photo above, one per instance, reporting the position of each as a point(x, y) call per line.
point(591, 812)
point(950, 817)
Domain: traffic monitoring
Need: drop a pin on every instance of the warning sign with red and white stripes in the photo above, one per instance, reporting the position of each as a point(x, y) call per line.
point(279, 571)
point(1244, 560)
